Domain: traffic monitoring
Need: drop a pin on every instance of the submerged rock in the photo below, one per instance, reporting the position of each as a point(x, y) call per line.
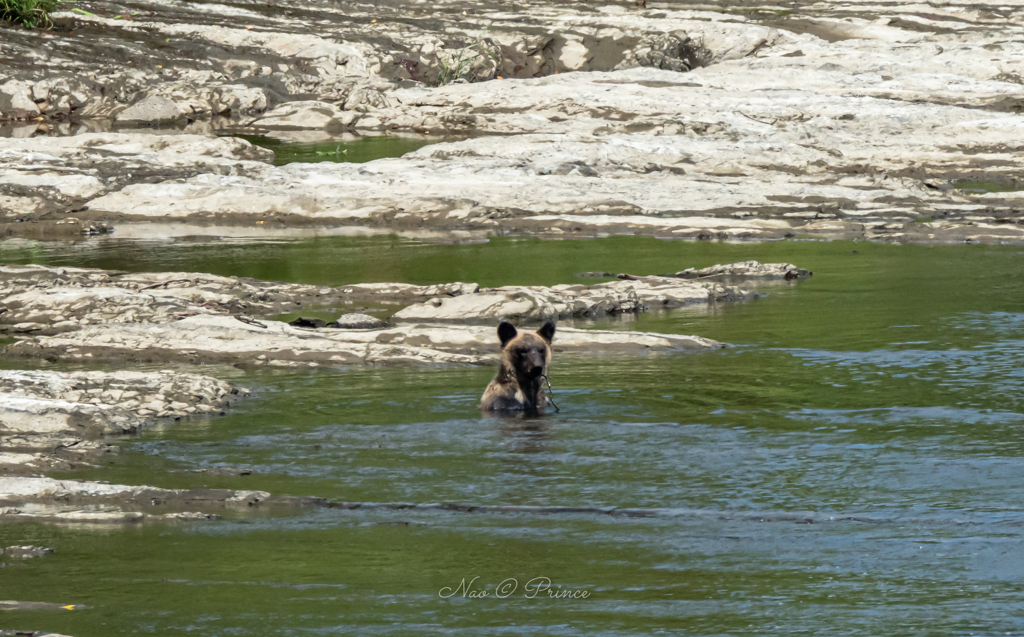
point(25, 552)
point(48, 491)
point(747, 270)
point(76, 502)
point(34, 453)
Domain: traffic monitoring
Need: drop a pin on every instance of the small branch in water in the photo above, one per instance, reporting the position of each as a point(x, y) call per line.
point(551, 393)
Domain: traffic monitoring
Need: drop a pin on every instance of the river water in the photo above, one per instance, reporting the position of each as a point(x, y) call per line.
point(850, 465)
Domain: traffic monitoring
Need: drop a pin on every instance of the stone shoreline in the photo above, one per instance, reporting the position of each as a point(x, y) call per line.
point(58, 421)
point(853, 121)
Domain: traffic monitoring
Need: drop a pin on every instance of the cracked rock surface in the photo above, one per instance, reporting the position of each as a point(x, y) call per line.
point(159, 62)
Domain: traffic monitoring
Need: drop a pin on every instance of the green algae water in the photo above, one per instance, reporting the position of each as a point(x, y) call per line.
point(987, 185)
point(850, 465)
point(356, 151)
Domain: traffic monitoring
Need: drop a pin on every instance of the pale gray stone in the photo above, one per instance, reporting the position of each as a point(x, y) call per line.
point(357, 322)
point(150, 110)
point(16, 101)
point(300, 115)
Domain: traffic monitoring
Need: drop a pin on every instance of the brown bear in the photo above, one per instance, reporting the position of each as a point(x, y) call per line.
point(524, 364)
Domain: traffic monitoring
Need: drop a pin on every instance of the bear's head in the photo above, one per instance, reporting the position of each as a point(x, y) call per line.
point(527, 353)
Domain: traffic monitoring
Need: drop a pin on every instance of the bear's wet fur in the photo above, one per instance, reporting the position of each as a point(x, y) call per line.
point(524, 365)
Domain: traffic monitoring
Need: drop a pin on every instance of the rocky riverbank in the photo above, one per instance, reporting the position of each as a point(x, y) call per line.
point(715, 122)
point(74, 314)
point(61, 421)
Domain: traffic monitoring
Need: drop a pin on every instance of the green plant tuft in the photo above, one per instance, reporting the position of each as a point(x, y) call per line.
point(460, 66)
point(31, 14)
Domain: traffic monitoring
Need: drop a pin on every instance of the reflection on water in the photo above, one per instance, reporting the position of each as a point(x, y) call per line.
point(851, 465)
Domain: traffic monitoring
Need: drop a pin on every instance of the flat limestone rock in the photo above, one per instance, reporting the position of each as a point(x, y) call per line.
point(103, 403)
point(673, 185)
point(31, 463)
point(404, 292)
point(48, 300)
point(224, 339)
point(568, 341)
point(16, 101)
point(54, 177)
point(571, 301)
point(19, 414)
point(150, 110)
point(59, 309)
point(80, 314)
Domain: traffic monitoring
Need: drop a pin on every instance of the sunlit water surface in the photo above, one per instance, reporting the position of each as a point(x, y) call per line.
point(851, 465)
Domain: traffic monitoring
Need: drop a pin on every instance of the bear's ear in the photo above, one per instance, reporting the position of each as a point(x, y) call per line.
point(547, 331)
point(506, 332)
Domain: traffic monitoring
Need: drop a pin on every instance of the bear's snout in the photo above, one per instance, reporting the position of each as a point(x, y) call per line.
point(533, 365)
